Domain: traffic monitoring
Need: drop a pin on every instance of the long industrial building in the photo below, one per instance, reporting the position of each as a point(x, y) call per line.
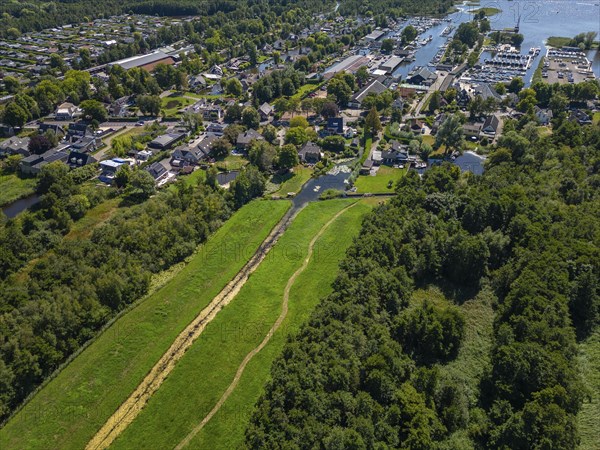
point(351, 64)
point(147, 62)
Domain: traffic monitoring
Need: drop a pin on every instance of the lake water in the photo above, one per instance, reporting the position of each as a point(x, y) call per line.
point(539, 20)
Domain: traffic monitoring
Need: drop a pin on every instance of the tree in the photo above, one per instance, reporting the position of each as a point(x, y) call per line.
point(85, 59)
point(270, 133)
point(262, 155)
point(296, 136)
point(39, 144)
point(329, 109)
point(250, 117)
point(220, 148)
point(362, 75)
point(288, 157)
point(233, 87)
point(54, 176)
point(122, 176)
point(299, 121)
point(233, 113)
point(434, 102)
point(94, 110)
point(387, 45)
point(450, 133)
point(372, 122)
point(408, 34)
point(340, 90)
point(515, 85)
point(249, 184)
point(11, 84)
point(14, 115)
point(149, 104)
point(467, 33)
point(141, 185)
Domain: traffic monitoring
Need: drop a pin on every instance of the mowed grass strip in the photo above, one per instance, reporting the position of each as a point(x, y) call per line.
point(73, 406)
point(207, 369)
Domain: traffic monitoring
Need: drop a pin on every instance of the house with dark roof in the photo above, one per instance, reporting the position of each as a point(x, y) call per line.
point(335, 125)
point(310, 153)
point(244, 140)
point(55, 128)
point(205, 145)
point(491, 124)
point(265, 111)
point(158, 171)
point(78, 130)
point(33, 164)
point(15, 146)
point(581, 117)
point(374, 87)
point(184, 155)
point(118, 108)
point(423, 76)
point(215, 128)
point(166, 141)
point(78, 159)
point(86, 144)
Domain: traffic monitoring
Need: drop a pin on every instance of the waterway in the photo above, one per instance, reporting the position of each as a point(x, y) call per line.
point(539, 21)
point(12, 209)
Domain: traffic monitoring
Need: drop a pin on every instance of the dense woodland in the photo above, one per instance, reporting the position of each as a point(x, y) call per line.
point(365, 371)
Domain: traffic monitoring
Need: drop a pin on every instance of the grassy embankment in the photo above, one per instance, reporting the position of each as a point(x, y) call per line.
point(13, 188)
point(73, 406)
point(291, 181)
point(487, 11)
point(558, 41)
point(207, 369)
point(380, 183)
point(589, 416)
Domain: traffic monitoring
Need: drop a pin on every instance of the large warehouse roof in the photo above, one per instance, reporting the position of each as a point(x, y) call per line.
point(142, 60)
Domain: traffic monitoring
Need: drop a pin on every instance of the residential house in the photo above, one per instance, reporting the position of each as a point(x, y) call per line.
point(205, 146)
point(158, 171)
point(491, 124)
point(580, 117)
point(166, 141)
point(119, 108)
point(86, 144)
point(185, 155)
point(33, 164)
point(544, 116)
point(66, 111)
point(55, 128)
point(15, 146)
point(215, 128)
point(472, 130)
point(373, 87)
point(244, 140)
point(78, 159)
point(423, 76)
point(335, 125)
point(310, 153)
point(78, 130)
point(109, 169)
point(265, 111)
point(197, 82)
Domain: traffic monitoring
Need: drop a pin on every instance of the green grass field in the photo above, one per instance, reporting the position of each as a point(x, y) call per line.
point(93, 218)
point(232, 162)
point(172, 104)
point(206, 370)
point(71, 408)
point(558, 41)
point(292, 181)
point(596, 118)
point(13, 188)
point(379, 183)
point(589, 416)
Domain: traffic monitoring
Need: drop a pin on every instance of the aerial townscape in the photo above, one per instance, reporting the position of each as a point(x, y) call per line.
point(334, 224)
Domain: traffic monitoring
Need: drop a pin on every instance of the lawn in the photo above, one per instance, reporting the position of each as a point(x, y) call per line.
point(596, 118)
point(306, 89)
point(379, 183)
point(71, 408)
point(173, 103)
point(193, 178)
point(13, 188)
point(487, 11)
point(589, 415)
point(557, 41)
point(292, 181)
point(232, 162)
point(206, 370)
point(130, 131)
